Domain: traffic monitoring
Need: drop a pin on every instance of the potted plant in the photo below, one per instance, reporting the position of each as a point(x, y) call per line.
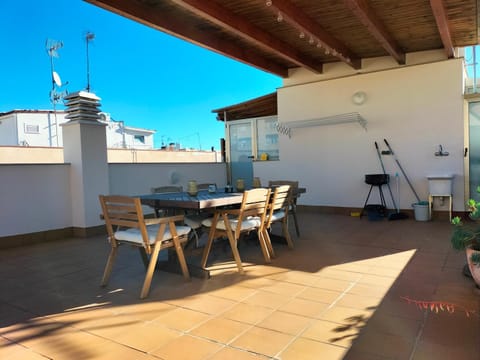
point(466, 236)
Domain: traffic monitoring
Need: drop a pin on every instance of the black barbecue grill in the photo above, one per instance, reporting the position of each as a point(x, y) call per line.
point(378, 210)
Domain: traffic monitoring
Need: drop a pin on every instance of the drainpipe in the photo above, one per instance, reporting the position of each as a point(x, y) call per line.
point(229, 170)
point(122, 124)
point(474, 52)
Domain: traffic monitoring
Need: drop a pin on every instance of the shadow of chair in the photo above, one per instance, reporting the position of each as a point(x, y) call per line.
point(292, 199)
point(126, 224)
point(278, 212)
point(235, 222)
point(165, 190)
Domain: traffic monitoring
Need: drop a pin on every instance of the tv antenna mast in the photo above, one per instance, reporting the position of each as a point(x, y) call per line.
point(55, 95)
point(52, 47)
point(89, 36)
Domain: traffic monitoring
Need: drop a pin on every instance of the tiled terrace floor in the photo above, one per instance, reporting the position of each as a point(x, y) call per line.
point(341, 294)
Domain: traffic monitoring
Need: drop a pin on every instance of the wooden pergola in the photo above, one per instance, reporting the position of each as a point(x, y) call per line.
point(279, 35)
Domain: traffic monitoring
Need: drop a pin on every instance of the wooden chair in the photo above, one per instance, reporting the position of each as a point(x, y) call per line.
point(278, 212)
point(293, 199)
point(126, 224)
point(165, 189)
point(234, 222)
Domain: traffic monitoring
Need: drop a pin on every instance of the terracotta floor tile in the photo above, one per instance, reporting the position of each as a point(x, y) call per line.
point(257, 282)
point(332, 284)
point(147, 337)
point(220, 329)
point(377, 280)
point(307, 349)
point(11, 351)
point(267, 299)
point(320, 295)
point(332, 273)
point(304, 307)
point(209, 304)
point(228, 353)
point(285, 322)
point(187, 348)
point(333, 333)
point(428, 351)
point(390, 346)
point(68, 343)
point(347, 316)
point(182, 319)
point(394, 325)
point(255, 340)
point(146, 311)
point(284, 288)
point(236, 292)
point(369, 290)
point(451, 329)
point(358, 301)
point(294, 277)
point(247, 313)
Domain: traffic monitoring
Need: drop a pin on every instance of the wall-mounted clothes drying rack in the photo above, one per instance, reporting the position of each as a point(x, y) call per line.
point(285, 128)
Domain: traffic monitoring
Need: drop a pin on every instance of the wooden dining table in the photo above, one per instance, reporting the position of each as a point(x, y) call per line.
point(182, 201)
point(203, 201)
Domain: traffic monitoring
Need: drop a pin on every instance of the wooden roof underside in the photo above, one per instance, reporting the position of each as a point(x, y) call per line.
point(278, 35)
point(262, 106)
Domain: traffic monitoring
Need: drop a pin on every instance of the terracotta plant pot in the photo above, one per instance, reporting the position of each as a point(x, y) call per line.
point(474, 269)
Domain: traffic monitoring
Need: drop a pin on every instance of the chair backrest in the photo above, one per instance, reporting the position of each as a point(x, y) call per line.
point(293, 187)
point(279, 200)
point(167, 189)
point(123, 212)
point(254, 202)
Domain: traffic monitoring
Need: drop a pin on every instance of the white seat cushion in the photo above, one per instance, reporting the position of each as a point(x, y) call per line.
point(135, 236)
point(278, 215)
point(249, 223)
point(194, 221)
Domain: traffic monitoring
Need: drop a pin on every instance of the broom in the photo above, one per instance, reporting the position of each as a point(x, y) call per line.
point(398, 215)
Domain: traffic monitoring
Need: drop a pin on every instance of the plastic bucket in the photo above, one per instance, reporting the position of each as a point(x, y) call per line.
point(420, 210)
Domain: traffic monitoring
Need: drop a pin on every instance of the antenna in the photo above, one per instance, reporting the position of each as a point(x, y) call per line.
point(89, 36)
point(52, 46)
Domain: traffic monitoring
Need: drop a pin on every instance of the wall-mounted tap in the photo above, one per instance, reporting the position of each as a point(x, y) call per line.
point(440, 151)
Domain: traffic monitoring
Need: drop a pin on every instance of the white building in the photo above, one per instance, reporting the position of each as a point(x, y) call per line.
point(42, 128)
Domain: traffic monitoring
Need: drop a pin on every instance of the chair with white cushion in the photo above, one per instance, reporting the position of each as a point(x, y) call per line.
point(293, 199)
point(126, 224)
point(278, 212)
point(234, 222)
point(166, 190)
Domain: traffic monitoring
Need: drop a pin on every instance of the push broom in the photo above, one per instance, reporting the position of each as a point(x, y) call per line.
point(398, 215)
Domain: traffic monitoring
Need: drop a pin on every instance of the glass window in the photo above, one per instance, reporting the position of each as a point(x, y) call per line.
point(32, 129)
point(139, 139)
point(267, 139)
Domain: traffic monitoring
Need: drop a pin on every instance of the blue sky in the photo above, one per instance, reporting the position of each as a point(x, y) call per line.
point(144, 77)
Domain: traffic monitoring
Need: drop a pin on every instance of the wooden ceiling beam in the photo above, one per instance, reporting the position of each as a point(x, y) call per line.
point(242, 27)
point(307, 25)
point(167, 23)
point(376, 27)
point(438, 9)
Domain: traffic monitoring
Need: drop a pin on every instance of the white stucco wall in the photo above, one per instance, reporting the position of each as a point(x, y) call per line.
point(8, 130)
point(34, 198)
point(37, 197)
point(415, 108)
point(136, 179)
